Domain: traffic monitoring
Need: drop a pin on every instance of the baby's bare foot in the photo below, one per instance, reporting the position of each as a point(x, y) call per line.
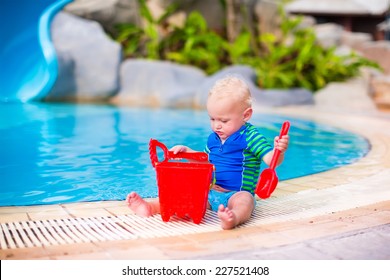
point(138, 205)
point(227, 216)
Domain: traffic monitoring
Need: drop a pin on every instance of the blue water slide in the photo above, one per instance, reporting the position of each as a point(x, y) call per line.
point(28, 63)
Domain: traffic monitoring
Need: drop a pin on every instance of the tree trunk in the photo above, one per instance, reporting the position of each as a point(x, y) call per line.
point(233, 19)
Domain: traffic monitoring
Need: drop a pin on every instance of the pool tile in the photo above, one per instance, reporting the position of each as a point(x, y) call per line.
point(133, 249)
point(68, 251)
point(28, 209)
point(268, 239)
point(86, 205)
point(118, 210)
point(88, 212)
point(49, 214)
point(11, 217)
point(14, 209)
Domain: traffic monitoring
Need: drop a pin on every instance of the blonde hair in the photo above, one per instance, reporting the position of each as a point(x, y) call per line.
point(232, 87)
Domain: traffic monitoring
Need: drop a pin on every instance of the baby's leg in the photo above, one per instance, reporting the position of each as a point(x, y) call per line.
point(238, 211)
point(141, 207)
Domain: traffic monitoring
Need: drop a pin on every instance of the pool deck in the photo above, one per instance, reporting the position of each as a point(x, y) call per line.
point(354, 225)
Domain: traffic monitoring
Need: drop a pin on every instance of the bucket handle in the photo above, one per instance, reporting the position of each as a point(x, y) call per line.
point(153, 144)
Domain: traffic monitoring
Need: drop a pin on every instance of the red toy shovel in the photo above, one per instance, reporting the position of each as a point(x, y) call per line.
point(268, 179)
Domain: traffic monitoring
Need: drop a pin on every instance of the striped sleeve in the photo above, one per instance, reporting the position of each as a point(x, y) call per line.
point(257, 143)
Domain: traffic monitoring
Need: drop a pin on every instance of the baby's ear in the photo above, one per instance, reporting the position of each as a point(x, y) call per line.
point(248, 114)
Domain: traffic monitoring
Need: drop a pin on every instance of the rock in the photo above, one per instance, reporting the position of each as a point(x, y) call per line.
point(283, 97)
point(355, 39)
point(379, 87)
point(378, 51)
point(348, 96)
point(65, 85)
point(344, 50)
point(88, 60)
point(107, 12)
point(328, 34)
point(157, 83)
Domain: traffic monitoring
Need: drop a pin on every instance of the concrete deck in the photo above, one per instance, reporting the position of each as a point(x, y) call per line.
point(355, 225)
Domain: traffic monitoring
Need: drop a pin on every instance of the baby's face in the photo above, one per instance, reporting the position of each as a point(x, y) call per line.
point(226, 116)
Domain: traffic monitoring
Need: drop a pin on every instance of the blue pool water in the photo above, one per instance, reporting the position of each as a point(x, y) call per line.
point(61, 153)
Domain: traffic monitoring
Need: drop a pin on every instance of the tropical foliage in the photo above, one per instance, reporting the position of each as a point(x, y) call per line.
point(294, 58)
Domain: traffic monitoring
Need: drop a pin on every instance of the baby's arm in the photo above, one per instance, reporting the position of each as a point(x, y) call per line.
point(184, 149)
point(280, 144)
point(181, 148)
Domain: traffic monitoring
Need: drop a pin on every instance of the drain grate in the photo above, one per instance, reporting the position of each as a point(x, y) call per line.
point(43, 233)
point(305, 204)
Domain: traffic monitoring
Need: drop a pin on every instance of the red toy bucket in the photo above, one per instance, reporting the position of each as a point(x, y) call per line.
point(183, 187)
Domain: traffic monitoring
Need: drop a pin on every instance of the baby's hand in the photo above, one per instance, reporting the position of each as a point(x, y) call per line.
point(282, 143)
point(179, 148)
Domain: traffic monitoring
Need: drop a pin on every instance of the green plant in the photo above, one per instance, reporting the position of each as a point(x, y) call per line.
point(144, 41)
point(152, 27)
point(196, 44)
point(130, 37)
point(296, 59)
point(240, 49)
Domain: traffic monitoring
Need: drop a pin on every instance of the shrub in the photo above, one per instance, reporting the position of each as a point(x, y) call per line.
point(293, 59)
point(296, 59)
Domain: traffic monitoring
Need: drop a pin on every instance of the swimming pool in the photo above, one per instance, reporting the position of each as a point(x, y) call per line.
point(62, 153)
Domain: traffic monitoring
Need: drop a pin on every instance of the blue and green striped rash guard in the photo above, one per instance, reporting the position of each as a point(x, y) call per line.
point(237, 161)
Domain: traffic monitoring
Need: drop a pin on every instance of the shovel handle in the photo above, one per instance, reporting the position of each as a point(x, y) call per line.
point(275, 157)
